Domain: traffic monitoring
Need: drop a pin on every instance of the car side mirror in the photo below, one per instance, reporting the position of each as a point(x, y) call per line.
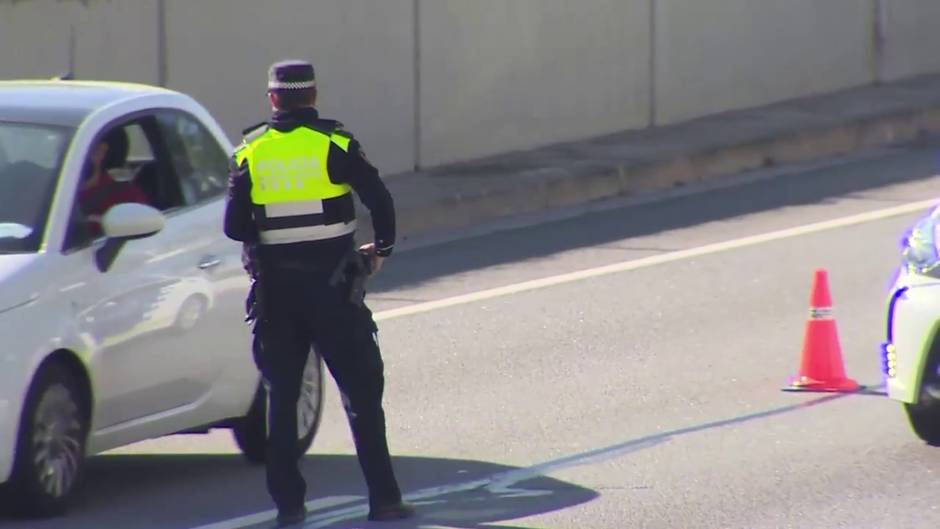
point(126, 222)
point(131, 221)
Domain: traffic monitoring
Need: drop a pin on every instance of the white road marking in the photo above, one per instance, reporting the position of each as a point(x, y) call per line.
point(267, 516)
point(332, 511)
point(509, 483)
point(645, 262)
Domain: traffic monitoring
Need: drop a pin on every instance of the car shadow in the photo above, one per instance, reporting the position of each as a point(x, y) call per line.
point(189, 491)
point(853, 178)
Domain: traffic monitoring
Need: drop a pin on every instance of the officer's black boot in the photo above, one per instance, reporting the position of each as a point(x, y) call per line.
point(368, 426)
point(288, 519)
point(394, 511)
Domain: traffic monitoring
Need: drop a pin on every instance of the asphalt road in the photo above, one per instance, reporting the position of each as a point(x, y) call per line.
point(647, 398)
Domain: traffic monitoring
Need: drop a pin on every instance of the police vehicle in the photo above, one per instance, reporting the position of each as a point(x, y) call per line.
point(134, 331)
point(910, 355)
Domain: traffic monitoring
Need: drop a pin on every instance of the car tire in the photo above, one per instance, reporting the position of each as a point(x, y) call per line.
point(250, 432)
point(50, 447)
point(925, 421)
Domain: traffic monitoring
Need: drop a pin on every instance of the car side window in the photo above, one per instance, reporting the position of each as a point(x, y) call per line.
point(197, 158)
point(167, 159)
point(110, 176)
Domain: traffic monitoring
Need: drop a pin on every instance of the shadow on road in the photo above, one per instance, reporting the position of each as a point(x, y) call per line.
point(816, 186)
point(188, 491)
point(191, 491)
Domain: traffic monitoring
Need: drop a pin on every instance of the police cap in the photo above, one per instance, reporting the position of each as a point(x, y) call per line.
point(291, 75)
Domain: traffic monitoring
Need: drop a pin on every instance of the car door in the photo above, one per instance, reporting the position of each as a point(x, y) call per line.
point(168, 322)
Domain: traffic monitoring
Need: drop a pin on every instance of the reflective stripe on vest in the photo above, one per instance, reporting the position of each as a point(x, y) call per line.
point(294, 198)
point(307, 233)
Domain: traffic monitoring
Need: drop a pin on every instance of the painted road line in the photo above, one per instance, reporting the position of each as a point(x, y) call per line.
point(511, 483)
point(267, 516)
point(332, 515)
point(645, 262)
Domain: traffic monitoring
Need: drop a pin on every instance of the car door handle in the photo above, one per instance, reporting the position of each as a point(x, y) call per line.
point(209, 261)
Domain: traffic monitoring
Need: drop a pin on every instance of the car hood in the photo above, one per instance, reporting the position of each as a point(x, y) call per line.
point(14, 291)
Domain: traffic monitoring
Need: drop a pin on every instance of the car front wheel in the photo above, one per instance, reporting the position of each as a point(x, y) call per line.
point(925, 421)
point(50, 448)
point(250, 432)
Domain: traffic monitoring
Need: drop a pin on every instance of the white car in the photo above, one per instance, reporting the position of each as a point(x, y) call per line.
point(910, 355)
point(132, 334)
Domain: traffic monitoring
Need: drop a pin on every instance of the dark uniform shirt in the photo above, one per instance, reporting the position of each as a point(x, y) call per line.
point(344, 167)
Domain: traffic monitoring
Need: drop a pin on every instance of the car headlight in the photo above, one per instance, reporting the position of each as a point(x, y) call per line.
point(919, 250)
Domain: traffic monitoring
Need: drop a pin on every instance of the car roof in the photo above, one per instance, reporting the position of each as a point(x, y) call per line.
point(64, 103)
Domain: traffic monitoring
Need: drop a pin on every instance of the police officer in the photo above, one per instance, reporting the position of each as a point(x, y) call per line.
point(290, 202)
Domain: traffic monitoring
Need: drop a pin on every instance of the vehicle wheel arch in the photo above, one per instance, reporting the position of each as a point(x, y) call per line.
point(932, 356)
point(23, 494)
point(73, 363)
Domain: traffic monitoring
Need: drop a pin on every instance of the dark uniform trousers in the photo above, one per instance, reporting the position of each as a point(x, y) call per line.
point(301, 309)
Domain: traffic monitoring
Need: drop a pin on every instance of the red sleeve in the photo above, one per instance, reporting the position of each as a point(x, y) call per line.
point(135, 194)
point(114, 193)
point(129, 193)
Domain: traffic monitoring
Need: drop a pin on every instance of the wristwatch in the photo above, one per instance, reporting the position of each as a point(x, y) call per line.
point(383, 250)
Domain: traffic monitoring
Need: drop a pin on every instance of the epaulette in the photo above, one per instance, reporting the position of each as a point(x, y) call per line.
point(328, 127)
point(249, 135)
point(254, 131)
point(340, 131)
point(253, 127)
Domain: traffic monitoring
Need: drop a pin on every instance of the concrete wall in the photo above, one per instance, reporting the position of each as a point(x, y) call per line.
point(499, 76)
point(426, 82)
point(715, 55)
point(363, 51)
point(100, 38)
point(19, 23)
point(912, 37)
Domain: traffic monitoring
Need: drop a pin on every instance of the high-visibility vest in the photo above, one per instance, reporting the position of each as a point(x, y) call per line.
point(294, 199)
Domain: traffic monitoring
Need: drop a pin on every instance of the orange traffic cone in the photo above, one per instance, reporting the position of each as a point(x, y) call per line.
point(821, 366)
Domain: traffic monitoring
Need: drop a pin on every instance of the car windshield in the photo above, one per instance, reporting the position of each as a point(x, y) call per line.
point(30, 159)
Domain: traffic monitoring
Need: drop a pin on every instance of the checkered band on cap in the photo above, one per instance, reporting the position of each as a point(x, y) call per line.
point(291, 85)
point(291, 75)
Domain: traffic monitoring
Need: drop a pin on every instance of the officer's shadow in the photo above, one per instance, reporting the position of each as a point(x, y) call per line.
point(188, 491)
point(466, 495)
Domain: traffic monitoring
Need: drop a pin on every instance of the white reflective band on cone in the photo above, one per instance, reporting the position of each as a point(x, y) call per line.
point(821, 313)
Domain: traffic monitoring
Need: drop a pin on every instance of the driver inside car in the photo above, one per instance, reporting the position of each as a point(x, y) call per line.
point(99, 191)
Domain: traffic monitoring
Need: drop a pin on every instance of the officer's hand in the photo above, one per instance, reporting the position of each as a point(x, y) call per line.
point(369, 249)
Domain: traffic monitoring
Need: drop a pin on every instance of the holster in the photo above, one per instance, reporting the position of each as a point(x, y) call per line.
point(352, 272)
point(254, 302)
